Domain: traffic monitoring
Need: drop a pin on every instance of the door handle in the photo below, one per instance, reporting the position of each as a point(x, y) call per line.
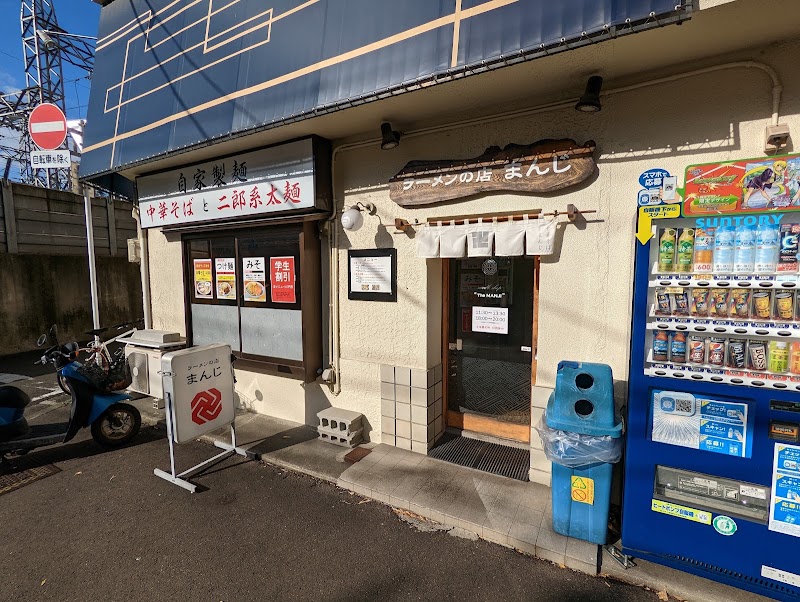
point(457, 346)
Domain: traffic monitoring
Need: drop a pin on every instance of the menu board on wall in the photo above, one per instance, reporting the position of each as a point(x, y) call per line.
point(282, 280)
point(225, 268)
point(202, 279)
point(372, 274)
point(254, 278)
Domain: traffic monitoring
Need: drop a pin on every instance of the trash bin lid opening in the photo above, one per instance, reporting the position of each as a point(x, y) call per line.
point(584, 381)
point(584, 408)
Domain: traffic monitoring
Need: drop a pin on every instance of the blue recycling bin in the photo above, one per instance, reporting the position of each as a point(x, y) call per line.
point(582, 408)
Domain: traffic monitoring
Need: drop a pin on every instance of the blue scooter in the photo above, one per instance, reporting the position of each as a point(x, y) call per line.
point(113, 423)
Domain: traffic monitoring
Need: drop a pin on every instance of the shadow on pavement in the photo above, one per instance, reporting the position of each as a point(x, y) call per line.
point(282, 440)
point(73, 451)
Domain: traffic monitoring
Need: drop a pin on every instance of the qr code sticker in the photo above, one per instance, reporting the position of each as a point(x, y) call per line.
point(684, 405)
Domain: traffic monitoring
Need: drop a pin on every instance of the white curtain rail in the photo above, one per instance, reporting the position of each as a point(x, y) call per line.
point(572, 212)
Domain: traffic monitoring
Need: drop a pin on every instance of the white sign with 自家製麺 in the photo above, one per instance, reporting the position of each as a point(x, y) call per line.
point(273, 180)
point(490, 319)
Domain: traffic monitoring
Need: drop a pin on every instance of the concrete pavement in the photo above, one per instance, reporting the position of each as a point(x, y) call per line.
point(296, 447)
point(105, 528)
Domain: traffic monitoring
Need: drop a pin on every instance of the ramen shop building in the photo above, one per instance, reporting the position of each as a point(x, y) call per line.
point(307, 175)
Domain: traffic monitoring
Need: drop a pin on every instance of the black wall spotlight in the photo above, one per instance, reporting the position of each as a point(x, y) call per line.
point(590, 101)
point(389, 138)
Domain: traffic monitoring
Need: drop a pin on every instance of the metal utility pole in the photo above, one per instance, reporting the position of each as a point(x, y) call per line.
point(45, 48)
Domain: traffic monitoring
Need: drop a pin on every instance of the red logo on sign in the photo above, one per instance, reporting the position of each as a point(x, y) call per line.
point(47, 126)
point(206, 406)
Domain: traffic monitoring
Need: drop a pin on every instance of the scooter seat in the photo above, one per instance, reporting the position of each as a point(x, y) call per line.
point(12, 397)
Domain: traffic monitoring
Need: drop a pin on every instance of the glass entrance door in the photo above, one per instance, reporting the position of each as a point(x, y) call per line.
point(490, 351)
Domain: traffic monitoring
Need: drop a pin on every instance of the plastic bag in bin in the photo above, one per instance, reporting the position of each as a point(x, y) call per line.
point(574, 449)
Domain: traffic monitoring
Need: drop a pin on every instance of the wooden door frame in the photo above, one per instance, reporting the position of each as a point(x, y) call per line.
point(469, 422)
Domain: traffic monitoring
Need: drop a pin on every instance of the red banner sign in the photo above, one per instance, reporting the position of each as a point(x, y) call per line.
point(282, 279)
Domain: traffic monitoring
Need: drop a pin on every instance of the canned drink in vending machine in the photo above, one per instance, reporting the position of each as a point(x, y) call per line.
point(757, 355)
point(663, 302)
point(737, 354)
point(697, 349)
point(716, 351)
point(784, 305)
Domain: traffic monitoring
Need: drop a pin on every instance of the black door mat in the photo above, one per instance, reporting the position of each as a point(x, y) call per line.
point(503, 460)
point(17, 480)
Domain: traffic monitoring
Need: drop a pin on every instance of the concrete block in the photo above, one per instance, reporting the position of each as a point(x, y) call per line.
point(437, 425)
point(402, 376)
point(403, 429)
point(387, 374)
point(340, 438)
point(387, 407)
point(437, 374)
point(437, 390)
point(388, 439)
point(419, 378)
point(421, 397)
point(431, 414)
point(402, 393)
point(387, 391)
point(403, 443)
point(339, 420)
point(437, 408)
point(403, 411)
point(387, 425)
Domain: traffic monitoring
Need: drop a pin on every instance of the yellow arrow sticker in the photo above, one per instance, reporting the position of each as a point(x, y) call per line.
point(644, 231)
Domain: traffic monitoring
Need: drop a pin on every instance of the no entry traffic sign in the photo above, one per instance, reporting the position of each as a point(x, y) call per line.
point(47, 126)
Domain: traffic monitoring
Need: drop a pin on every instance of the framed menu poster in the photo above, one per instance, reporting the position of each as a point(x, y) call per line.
point(372, 274)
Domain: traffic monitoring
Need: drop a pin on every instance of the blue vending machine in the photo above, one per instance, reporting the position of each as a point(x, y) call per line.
point(712, 465)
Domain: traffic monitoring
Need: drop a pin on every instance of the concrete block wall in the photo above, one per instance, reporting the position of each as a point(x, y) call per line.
point(411, 407)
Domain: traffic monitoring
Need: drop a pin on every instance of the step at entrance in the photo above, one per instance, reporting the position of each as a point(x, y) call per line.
point(503, 460)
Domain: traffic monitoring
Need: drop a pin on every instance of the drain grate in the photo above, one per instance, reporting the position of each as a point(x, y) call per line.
point(502, 460)
point(17, 480)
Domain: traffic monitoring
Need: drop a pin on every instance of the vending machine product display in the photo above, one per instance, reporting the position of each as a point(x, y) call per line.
point(712, 469)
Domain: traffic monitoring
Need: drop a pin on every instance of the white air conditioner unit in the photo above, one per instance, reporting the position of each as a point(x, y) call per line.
point(143, 350)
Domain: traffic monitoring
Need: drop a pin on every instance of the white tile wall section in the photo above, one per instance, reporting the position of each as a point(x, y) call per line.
point(402, 376)
point(402, 393)
point(411, 407)
point(403, 429)
point(541, 468)
point(403, 411)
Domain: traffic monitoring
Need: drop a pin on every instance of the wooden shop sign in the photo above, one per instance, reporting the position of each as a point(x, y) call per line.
point(543, 166)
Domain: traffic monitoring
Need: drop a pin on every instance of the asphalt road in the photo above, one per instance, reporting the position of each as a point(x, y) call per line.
point(105, 528)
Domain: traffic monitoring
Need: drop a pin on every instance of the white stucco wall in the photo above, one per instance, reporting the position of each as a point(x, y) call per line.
point(585, 287)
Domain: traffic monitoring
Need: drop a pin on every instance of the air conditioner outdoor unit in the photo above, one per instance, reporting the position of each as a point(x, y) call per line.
point(143, 350)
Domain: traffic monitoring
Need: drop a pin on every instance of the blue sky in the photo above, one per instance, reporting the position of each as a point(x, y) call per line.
point(75, 16)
